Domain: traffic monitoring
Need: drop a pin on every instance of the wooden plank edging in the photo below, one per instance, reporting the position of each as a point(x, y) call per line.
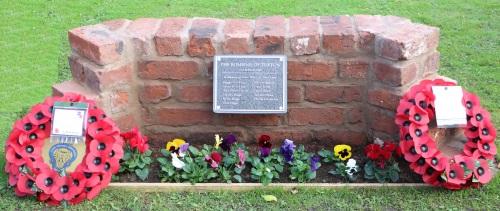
point(204, 187)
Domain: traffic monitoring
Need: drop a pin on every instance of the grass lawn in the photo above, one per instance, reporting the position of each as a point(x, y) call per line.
point(34, 50)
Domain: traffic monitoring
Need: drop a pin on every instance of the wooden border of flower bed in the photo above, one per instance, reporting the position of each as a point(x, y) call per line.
point(202, 187)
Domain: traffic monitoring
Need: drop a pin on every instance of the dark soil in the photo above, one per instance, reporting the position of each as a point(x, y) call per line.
point(406, 175)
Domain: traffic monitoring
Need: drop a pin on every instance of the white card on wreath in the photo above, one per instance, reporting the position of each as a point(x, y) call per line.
point(450, 112)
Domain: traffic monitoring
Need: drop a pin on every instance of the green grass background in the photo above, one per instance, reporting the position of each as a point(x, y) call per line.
point(33, 39)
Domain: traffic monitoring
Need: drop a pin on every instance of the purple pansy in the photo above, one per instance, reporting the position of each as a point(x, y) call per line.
point(264, 152)
point(287, 150)
point(227, 142)
point(314, 160)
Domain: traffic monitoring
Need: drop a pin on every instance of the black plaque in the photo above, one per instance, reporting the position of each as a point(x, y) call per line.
point(250, 84)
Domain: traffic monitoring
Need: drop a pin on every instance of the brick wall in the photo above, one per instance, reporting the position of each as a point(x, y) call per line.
point(346, 74)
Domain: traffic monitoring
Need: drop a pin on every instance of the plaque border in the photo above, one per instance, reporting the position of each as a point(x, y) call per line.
point(217, 109)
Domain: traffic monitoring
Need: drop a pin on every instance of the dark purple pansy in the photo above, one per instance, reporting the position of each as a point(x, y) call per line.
point(227, 142)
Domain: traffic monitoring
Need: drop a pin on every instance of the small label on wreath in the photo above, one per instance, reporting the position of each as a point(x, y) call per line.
point(68, 120)
point(450, 112)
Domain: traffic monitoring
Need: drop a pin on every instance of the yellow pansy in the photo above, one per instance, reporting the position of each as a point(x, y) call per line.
point(174, 145)
point(342, 151)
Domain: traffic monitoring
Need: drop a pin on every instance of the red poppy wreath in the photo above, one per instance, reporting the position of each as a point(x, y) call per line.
point(472, 166)
point(30, 175)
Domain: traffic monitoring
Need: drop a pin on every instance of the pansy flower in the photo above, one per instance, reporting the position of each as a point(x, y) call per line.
point(173, 147)
point(265, 145)
point(227, 142)
point(241, 155)
point(176, 161)
point(314, 160)
point(287, 150)
point(182, 149)
point(46, 181)
point(342, 151)
point(455, 173)
point(265, 152)
point(351, 167)
point(482, 172)
point(214, 159)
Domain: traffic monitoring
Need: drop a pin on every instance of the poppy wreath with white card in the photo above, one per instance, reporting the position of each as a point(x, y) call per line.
point(30, 174)
point(473, 166)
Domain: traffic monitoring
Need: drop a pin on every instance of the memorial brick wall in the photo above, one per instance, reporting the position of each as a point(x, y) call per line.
point(346, 74)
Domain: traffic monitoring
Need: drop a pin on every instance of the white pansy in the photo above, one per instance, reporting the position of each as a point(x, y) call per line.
point(176, 162)
point(351, 167)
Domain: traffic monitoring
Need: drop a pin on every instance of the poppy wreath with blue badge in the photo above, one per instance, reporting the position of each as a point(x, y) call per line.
point(472, 167)
point(29, 174)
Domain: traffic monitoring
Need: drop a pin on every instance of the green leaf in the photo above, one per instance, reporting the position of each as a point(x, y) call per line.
point(333, 172)
point(237, 178)
point(162, 160)
point(165, 152)
point(270, 198)
point(193, 150)
point(148, 152)
point(269, 175)
point(380, 177)
point(256, 172)
point(278, 168)
point(394, 176)
point(147, 160)
point(368, 169)
point(127, 155)
point(311, 175)
point(142, 174)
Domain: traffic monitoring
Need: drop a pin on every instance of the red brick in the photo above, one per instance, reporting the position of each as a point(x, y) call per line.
point(336, 94)
point(101, 79)
point(304, 35)
point(316, 116)
point(196, 93)
point(338, 34)
point(184, 116)
point(250, 119)
point(353, 69)
point(368, 26)
point(126, 123)
point(96, 43)
point(116, 25)
point(119, 101)
point(384, 98)
point(142, 31)
point(146, 115)
point(269, 35)
point(168, 70)
point(310, 71)
point(383, 121)
point(431, 64)
point(154, 93)
point(299, 137)
point(77, 67)
point(294, 95)
point(237, 33)
point(355, 115)
point(408, 42)
point(394, 75)
point(202, 37)
point(329, 138)
point(169, 36)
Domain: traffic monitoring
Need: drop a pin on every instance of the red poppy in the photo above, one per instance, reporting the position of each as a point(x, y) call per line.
point(469, 148)
point(404, 107)
point(25, 125)
point(79, 180)
point(25, 183)
point(419, 115)
point(426, 148)
point(470, 101)
point(12, 157)
point(36, 115)
point(408, 149)
point(486, 147)
point(67, 190)
point(49, 102)
point(471, 132)
point(78, 198)
point(478, 155)
point(419, 166)
point(482, 172)
point(465, 162)
point(452, 186)
point(487, 131)
point(96, 162)
point(402, 120)
point(46, 181)
point(117, 151)
point(431, 176)
point(264, 141)
point(45, 127)
point(479, 115)
point(13, 178)
point(455, 173)
point(92, 192)
point(101, 144)
point(36, 135)
point(113, 165)
point(418, 132)
point(437, 161)
point(95, 114)
point(99, 127)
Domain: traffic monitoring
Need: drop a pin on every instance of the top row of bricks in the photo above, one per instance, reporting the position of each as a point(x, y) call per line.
point(392, 37)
